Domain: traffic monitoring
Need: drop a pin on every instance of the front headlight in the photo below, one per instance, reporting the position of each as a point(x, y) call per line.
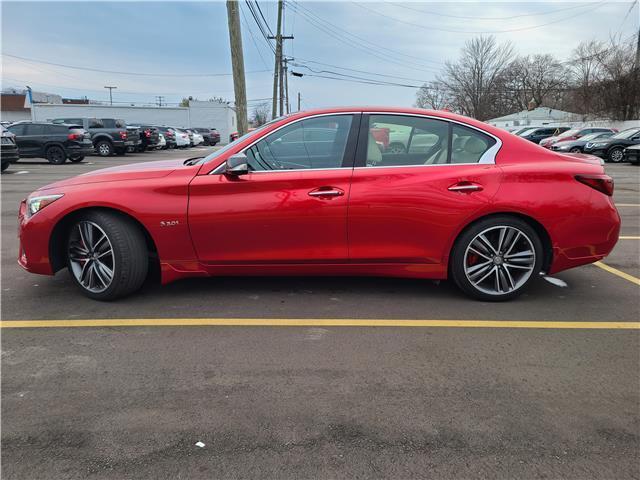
point(564, 147)
point(598, 144)
point(35, 204)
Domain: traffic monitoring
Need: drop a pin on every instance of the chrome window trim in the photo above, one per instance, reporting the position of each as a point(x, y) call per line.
point(487, 158)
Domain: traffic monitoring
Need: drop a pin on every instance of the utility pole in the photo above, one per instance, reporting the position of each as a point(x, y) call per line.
point(278, 71)
point(110, 94)
point(237, 60)
point(159, 100)
point(298, 101)
point(286, 86)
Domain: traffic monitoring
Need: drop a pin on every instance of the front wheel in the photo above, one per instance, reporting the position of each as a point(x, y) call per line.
point(496, 259)
point(576, 150)
point(615, 155)
point(107, 255)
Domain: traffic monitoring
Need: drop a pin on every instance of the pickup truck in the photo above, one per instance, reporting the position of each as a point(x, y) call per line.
point(106, 140)
point(149, 135)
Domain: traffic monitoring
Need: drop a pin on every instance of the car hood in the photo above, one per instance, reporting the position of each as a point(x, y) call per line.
point(136, 171)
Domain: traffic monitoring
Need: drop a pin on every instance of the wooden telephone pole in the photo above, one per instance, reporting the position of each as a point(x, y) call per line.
point(279, 70)
point(237, 61)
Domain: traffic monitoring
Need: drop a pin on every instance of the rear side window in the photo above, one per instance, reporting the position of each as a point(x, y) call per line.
point(120, 123)
point(57, 129)
point(468, 145)
point(108, 122)
point(95, 123)
point(34, 129)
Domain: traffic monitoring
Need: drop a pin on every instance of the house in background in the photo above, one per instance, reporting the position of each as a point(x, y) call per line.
point(536, 116)
point(14, 105)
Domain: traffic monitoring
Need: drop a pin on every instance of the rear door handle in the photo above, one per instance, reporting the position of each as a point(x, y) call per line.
point(326, 192)
point(465, 187)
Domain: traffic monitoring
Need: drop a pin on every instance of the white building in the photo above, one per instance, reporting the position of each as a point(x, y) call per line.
point(535, 117)
point(198, 114)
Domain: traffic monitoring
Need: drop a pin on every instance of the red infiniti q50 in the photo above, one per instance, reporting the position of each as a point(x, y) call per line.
point(317, 193)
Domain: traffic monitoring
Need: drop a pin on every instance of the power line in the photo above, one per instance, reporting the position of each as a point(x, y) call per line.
point(511, 17)
point(264, 30)
point(253, 39)
point(115, 72)
point(433, 28)
point(262, 16)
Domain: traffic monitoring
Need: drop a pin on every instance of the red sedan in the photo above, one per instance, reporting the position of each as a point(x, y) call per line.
point(315, 194)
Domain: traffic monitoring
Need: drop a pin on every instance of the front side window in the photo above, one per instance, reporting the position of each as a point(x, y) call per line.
point(17, 130)
point(35, 129)
point(395, 140)
point(318, 142)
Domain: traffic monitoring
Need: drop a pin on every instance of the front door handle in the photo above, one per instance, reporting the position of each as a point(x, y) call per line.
point(326, 192)
point(465, 187)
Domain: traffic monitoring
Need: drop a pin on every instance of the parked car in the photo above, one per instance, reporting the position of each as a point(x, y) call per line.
point(106, 140)
point(149, 135)
point(535, 135)
point(133, 133)
point(577, 146)
point(573, 134)
point(162, 143)
point(169, 136)
point(55, 142)
point(484, 214)
point(210, 136)
point(234, 135)
point(10, 152)
point(182, 138)
point(196, 138)
point(519, 130)
point(612, 148)
point(632, 154)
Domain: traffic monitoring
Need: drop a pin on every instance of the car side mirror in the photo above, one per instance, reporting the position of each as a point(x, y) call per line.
point(237, 165)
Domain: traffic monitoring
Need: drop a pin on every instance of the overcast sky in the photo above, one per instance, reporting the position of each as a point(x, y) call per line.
point(175, 43)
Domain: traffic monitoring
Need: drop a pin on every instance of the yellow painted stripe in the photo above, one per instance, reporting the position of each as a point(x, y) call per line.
point(311, 322)
point(628, 237)
point(619, 273)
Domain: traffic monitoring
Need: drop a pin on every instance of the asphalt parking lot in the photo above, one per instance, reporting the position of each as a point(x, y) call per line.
point(320, 400)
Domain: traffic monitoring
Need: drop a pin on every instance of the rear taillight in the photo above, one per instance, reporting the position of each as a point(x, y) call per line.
point(75, 136)
point(147, 133)
point(123, 135)
point(602, 183)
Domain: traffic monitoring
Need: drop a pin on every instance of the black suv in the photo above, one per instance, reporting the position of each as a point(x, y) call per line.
point(535, 135)
point(55, 142)
point(149, 135)
point(9, 148)
point(133, 133)
point(106, 141)
point(210, 135)
point(612, 148)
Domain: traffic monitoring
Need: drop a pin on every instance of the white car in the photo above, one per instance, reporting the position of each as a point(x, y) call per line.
point(198, 139)
point(182, 138)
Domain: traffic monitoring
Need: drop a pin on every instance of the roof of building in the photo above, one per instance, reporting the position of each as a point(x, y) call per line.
point(540, 113)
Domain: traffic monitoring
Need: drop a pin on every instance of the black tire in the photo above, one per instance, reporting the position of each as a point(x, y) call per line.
point(56, 155)
point(129, 259)
point(462, 245)
point(104, 148)
point(615, 155)
point(5, 165)
point(77, 159)
point(576, 150)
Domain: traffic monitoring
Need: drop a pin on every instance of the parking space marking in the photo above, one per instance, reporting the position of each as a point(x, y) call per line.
point(627, 204)
point(627, 237)
point(313, 322)
point(619, 273)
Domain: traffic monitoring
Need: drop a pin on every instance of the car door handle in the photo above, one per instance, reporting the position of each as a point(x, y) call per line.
point(465, 187)
point(326, 192)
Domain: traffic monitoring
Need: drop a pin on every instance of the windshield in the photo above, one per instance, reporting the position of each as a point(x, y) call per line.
point(527, 132)
point(569, 133)
point(627, 133)
point(593, 136)
point(229, 146)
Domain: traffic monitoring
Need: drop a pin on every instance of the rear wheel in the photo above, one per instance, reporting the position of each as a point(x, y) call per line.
point(56, 155)
point(496, 259)
point(615, 155)
point(5, 165)
point(576, 150)
point(104, 148)
point(107, 255)
point(77, 159)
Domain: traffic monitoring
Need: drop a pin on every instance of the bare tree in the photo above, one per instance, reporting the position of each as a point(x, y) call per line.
point(476, 79)
point(433, 95)
point(586, 72)
point(261, 114)
point(540, 79)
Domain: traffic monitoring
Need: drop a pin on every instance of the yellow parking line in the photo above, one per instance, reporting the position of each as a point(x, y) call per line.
point(619, 273)
point(312, 322)
point(627, 237)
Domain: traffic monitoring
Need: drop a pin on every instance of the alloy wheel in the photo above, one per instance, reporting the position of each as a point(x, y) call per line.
point(91, 257)
point(499, 260)
point(103, 149)
point(616, 155)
